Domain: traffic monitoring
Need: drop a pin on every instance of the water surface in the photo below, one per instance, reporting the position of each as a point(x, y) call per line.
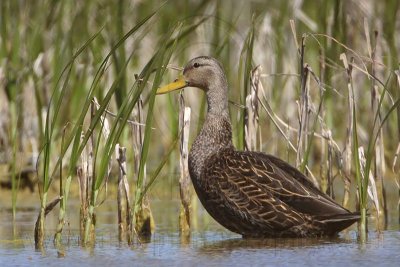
point(209, 245)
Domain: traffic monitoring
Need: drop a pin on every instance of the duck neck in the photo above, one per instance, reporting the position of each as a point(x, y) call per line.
point(217, 98)
point(215, 135)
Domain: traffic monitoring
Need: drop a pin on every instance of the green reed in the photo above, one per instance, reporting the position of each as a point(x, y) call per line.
point(245, 68)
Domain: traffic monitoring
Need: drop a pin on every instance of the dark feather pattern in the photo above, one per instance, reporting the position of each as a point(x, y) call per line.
point(255, 195)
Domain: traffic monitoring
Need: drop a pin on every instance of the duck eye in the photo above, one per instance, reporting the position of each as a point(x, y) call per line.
point(196, 65)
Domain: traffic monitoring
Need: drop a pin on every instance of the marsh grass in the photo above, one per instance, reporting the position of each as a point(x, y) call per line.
point(119, 53)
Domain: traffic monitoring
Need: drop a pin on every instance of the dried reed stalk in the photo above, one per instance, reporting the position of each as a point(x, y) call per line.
point(95, 184)
point(396, 170)
point(302, 137)
point(379, 160)
point(144, 219)
point(304, 109)
point(128, 211)
point(121, 159)
point(123, 196)
point(347, 154)
point(105, 130)
point(89, 218)
point(184, 180)
point(326, 152)
point(84, 172)
point(329, 171)
point(251, 113)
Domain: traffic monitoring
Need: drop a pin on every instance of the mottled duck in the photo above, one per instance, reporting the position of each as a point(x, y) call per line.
point(250, 193)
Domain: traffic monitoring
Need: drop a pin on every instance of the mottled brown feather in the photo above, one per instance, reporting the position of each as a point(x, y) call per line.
point(258, 192)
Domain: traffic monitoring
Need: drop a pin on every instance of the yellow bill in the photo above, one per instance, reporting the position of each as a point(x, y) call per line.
point(176, 85)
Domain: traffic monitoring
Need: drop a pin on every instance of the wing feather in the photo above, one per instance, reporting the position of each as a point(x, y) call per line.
point(231, 179)
point(261, 185)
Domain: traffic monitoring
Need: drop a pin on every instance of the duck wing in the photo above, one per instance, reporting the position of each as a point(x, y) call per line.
point(233, 197)
point(244, 176)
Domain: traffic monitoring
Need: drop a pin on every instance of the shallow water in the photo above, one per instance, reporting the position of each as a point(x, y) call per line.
point(209, 245)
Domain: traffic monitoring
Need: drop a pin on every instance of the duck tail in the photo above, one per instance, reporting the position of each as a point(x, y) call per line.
point(338, 222)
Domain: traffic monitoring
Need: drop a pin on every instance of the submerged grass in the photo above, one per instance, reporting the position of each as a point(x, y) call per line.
point(81, 51)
